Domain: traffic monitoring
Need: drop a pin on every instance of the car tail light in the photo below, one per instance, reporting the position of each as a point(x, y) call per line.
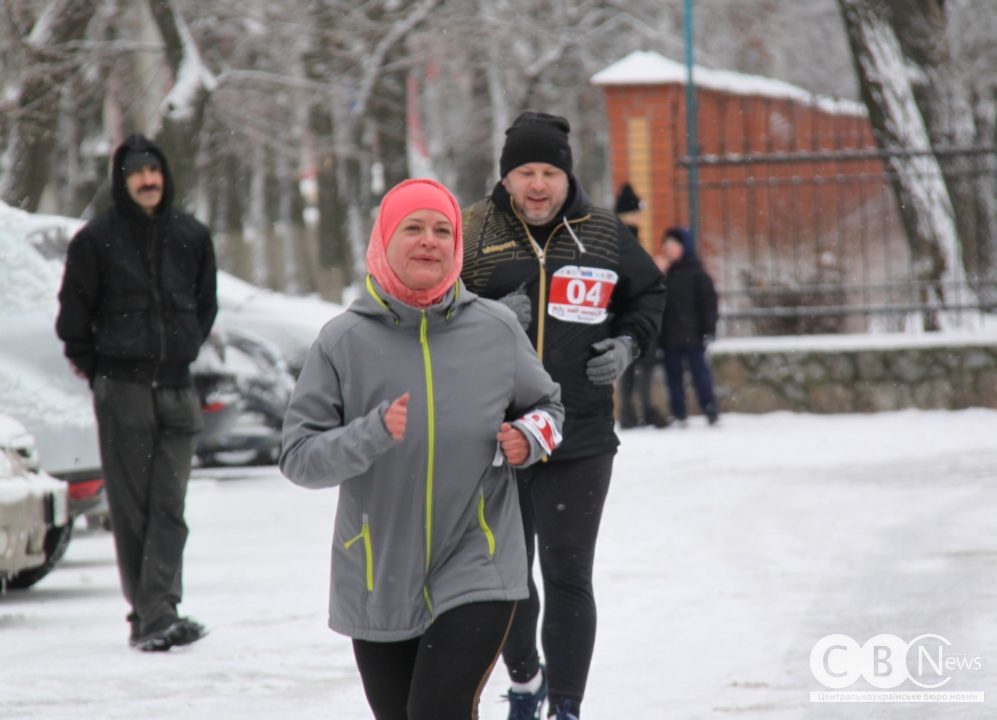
point(214, 407)
point(85, 489)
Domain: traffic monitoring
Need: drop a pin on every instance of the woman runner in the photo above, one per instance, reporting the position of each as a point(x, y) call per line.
point(417, 402)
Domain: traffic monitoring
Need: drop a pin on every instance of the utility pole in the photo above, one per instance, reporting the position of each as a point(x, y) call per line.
point(692, 142)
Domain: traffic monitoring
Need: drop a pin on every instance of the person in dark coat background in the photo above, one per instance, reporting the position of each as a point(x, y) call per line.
point(630, 208)
point(138, 299)
point(689, 324)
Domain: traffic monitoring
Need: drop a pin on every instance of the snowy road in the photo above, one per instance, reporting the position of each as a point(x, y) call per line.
point(725, 555)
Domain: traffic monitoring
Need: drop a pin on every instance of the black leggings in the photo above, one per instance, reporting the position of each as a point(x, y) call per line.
point(440, 675)
point(562, 506)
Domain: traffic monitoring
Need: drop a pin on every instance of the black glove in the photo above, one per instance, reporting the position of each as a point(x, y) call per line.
point(519, 302)
point(614, 356)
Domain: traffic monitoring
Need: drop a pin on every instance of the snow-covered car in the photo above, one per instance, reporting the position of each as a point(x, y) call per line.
point(37, 386)
point(289, 324)
point(247, 374)
point(35, 525)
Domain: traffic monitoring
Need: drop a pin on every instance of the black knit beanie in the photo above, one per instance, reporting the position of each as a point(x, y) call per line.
point(627, 200)
point(536, 137)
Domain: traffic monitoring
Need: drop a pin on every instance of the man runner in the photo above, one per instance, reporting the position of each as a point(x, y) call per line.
point(591, 300)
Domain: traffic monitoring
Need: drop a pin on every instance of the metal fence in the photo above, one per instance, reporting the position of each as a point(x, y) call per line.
point(804, 242)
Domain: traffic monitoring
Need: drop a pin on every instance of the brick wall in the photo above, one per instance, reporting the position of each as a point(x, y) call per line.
point(740, 125)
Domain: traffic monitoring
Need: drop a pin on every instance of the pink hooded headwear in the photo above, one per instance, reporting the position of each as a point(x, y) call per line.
point(402, 200)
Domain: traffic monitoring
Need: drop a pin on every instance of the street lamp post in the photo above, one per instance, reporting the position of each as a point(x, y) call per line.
point(692, 143)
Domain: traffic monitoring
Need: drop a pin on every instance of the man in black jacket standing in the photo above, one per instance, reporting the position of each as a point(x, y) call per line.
point(137, 301)
point(689, 324)
point(590, 298)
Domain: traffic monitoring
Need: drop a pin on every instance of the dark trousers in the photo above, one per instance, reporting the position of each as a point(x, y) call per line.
point(701, 379)
point(561, 502)
point(638, 375)
point(440, 675)
point(146, 442)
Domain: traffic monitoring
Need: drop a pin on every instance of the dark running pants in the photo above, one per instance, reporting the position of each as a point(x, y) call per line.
point(701, 379)
point(440, 675)
point(146, 442)
point(561, 502)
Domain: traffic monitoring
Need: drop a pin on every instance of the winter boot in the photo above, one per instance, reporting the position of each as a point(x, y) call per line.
point(655, 418)
point(186, 631)
point(157, 636)
point(712, 414)
point(527, 706)
point(169, 632)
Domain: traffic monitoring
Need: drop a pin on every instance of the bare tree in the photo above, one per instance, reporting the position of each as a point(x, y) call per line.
point(33, 97)
point(898, 126)
point(944, 95)
point(364, 42)
point(182, 110)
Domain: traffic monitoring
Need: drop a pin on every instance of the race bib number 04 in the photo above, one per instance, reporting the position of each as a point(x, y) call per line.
point(581, 294)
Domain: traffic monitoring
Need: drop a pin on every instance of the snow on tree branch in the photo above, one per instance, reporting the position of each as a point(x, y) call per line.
point(191, 76)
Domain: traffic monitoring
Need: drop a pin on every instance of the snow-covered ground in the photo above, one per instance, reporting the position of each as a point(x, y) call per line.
point(725, 555)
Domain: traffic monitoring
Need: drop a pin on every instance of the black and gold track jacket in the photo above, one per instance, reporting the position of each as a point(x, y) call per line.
point(588, 280)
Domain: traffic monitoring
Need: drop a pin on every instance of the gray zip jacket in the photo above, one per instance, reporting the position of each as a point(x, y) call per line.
point(430, 522)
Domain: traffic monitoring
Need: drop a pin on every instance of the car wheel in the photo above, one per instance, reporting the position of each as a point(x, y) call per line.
point(56, 542)
point(267, 457)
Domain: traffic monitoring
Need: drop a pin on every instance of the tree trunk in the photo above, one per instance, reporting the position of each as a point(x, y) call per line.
point(27, 158)
point(182, 110)
point(945, 100)
point(258, 234)
point(229, 233)
point(388, 111)
point(333, 243)
point(286, 177)
point(496, 89)
point(917, 182)
point(986, 192)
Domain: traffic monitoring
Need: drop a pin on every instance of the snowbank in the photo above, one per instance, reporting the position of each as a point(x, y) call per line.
point(851, 343)
point(30, 264)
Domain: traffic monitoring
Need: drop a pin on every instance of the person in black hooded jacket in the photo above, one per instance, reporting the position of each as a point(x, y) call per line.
point(136, 303)
point(688, 325)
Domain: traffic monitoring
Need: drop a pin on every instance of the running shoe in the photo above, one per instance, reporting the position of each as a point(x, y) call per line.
point(566, 711)
point(527, 706)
